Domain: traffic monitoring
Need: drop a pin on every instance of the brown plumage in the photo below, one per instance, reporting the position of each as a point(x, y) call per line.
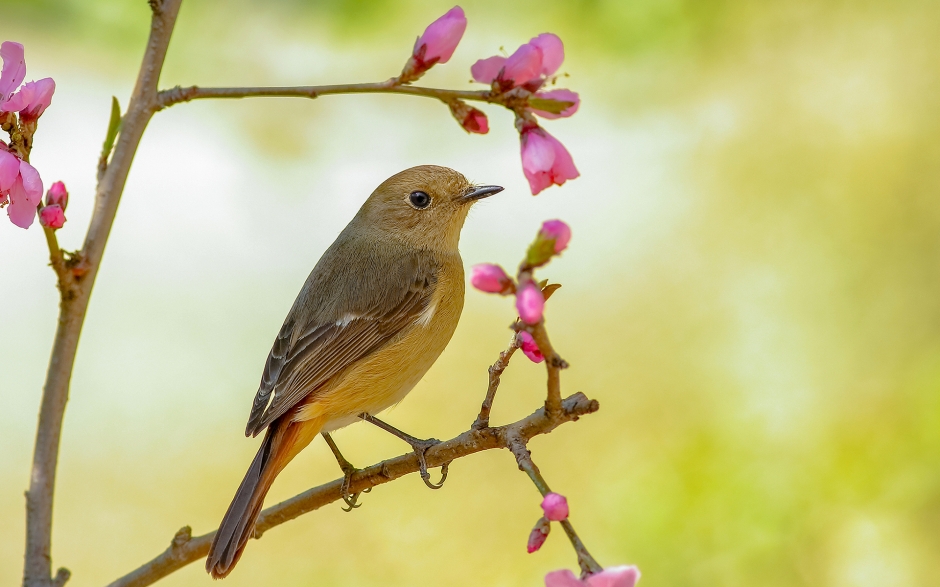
point(371, 319)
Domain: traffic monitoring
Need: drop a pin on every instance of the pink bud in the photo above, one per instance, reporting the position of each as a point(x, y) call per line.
point(560, 96)
point(32, 99)
point(58, 195)
point(545, 161)
point(555, 507)
point(530, 304)
point(14, 68)
point(557, 231)
point(471, 119)
point(538, 535)
point(52, 216)
point(486, 70)
point(440, 39)
point(530, 348)
point(490, 278)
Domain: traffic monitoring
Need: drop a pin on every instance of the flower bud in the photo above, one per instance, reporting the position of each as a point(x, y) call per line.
point(471, 119)
point(530, 303)
point(557, 231)
point(57, 195)
point(538, 535)
point(436, 45)
point(555, 507)
point(52, 216)
point(530, 348)
point(490, 278)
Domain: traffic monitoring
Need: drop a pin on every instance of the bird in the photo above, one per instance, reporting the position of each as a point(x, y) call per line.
point(375, 313)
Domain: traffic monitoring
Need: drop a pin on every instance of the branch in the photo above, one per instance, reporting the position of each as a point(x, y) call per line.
point(179, 94)
point(495, 372)
point(184, 549)
point(74, 302)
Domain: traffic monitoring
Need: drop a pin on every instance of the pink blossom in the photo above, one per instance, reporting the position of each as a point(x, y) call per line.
point(490, 278)
point(555, 507)
point(622, 576)
point(530, 348)
point(32, 99)
point(561, 96)
point(9, 170)
point(52, 216)
point(14, 68)
point(58, 195)
point(530, 304)
point(436, 45)
point(440, 39)
point(545, 161)
point(541, 56)
point(23, 194)
point(538, 535)
point(557, 231)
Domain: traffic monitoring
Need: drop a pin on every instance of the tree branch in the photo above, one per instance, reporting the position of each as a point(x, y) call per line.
point(179, 94)
point(74, 303)
point(184, 549)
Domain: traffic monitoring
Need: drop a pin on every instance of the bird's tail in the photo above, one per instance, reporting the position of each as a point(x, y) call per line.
point(282, 441)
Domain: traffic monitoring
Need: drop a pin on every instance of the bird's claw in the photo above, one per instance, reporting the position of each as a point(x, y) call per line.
point(421, 447)
point(351, 499)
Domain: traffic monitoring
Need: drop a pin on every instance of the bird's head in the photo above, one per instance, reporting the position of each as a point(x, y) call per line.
point(426, 206)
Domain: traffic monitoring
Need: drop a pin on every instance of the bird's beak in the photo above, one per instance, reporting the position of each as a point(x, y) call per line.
point(478, 192)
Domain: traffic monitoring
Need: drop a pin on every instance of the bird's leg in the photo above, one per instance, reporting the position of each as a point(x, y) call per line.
point(348, 470)
point(419, 446)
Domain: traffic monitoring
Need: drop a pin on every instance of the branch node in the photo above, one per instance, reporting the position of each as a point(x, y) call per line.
point(181, 538)
point(61, 577)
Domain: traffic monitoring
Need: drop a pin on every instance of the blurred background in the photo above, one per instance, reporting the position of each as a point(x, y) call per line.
point(752, 291)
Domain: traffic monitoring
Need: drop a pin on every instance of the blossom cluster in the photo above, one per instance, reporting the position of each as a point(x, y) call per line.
point(21, 106)
point(517, 80)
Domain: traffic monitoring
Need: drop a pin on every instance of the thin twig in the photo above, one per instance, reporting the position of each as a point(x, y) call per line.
point(185, 550)
point(180, 94)
point(74, 303)
point(517, 445)
point(495, 372)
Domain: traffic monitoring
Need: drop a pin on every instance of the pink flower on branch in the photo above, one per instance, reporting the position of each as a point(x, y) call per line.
point(32, 99)
point(555, 507)
point(471, 119)
point(529, 64)
point(545, 161)
point(491, 278)
point(530, 304)
point(436, 45)
point(530, 348)
point(52, 216)
point(622, 576)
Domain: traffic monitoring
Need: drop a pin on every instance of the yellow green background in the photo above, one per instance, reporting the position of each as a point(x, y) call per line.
point(752, 291)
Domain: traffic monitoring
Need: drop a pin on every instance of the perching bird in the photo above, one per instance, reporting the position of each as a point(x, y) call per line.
point(373, 316)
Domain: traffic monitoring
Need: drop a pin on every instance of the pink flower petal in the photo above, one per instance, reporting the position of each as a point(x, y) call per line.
point(31, 182)
point(52, 216)
point(32, 99)
point(530, 348)
point(622, 576)
point(486, 70)
point(561, 96)
point(564, 168)
point(558, 231)
point(530, 304)
point(442, 36)
point(555, 507)
point(21, 210)
point(14, 68)
point(538, 151)
point(552, 52)
point(9, 170)
point(489, 278)
point(562, 578)
point(524, 65)
point(476, 122)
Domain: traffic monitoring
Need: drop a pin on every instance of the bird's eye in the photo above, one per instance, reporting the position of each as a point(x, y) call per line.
point(419, 200)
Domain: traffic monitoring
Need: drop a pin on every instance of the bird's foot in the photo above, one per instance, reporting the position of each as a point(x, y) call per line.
point(349, 470)
point(420, 447)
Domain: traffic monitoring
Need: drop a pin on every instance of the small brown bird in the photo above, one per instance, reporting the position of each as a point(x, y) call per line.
point(373, 316)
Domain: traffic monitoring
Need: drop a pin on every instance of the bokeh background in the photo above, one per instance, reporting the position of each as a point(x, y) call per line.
point(752, 291)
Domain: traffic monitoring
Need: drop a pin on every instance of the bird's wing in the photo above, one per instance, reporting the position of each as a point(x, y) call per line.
point(321, 338)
